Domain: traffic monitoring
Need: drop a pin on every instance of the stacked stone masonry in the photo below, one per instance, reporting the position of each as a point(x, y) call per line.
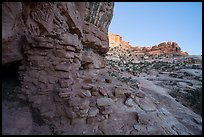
point(57, 41)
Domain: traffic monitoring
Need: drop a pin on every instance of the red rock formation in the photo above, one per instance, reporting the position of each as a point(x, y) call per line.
point(162, 48)
point(116, 40)
point(166, 48)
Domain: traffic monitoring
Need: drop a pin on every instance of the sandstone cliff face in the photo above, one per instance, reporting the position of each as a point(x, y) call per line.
point(163, 48)
point(116, 41)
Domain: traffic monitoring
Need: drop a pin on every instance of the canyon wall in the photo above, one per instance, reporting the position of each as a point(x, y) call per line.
point(163, 48)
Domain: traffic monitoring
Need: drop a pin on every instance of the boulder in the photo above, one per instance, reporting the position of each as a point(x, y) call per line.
point(104, 101)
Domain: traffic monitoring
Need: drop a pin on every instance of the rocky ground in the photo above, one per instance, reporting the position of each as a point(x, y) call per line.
point(158, 96)
point(170, 79)
point(182, 79)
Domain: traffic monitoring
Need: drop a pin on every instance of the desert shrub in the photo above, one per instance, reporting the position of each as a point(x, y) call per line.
point(126, 80)
point(126, 69)
point(192, 99)
point(195, 96)
point(114, 74)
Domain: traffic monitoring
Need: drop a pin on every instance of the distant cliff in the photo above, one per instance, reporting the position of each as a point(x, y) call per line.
point(163, 48)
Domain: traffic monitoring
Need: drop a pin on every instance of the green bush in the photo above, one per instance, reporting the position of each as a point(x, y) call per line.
point(195, 98)
point(195, 95)
point(114, 74)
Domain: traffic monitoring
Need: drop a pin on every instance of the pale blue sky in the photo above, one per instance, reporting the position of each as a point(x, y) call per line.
point(150, 23)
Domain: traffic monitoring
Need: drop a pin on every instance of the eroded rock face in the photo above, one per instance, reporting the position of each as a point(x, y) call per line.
point(70, 23)
point(12, 29)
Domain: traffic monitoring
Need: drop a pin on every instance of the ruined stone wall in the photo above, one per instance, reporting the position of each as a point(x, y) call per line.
point(56, 42)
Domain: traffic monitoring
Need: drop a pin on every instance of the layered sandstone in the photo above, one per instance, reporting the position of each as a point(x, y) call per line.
point(116, 40)
point(163, 48)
